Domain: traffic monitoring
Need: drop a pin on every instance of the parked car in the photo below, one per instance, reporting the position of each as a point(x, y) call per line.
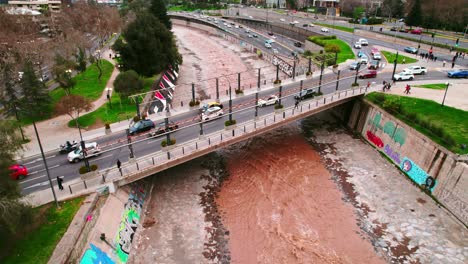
point(324, 29)
point(212, 113)
point(305, 94)
point(161, 128)
point(298, 44)
point(354, 65)
point(374, 50)
point(363, 42)
point(357, 45)
point(404, 30)
point(368, 74)
point(305, 25)
point(18, 171)
point(282, 20)
point(92, 149)
point(270, 33)
point(394, 29)
point(403, 76)
point(458, 73)
point(416, 31)
point(363, 59)
point(255, 35)
point(416, 70)
point(275, 51)
point(377, 56)
point(412, 50)
point(373, 65)
point(268, 45)
point(271, 100)
point(141, 126)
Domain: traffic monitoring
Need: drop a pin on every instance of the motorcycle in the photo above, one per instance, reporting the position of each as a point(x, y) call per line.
point(68, 147)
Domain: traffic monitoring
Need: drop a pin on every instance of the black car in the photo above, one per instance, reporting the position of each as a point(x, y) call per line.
point(305, 25)
point(305, 94)
point(270, 33)
point(161, 128)
point(298, 44)
point(141, 126)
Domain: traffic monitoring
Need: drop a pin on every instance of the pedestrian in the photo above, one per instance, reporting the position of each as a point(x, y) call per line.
point(110, 55)
point(388, 87)
point(368, 84)
point(453, 64)
point(435, 58)
point(443, 64)
point(384, 85)
point(407, 89)
point(427, 56)
point(296, 104)
point(59, 183)
point(119, 164)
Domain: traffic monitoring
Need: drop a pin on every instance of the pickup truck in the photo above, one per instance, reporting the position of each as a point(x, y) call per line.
point(416, 70)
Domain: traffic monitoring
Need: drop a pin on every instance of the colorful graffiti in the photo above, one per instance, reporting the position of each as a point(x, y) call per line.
point(397, 134)
point(395, 156)
point(129, 223)
point(95, 255)
point(374, 139)
point(417, 174)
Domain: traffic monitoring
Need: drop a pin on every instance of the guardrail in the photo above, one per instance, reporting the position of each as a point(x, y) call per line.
point(171, 156)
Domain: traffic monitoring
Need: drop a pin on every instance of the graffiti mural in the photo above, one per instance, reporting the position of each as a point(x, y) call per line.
point(283, 65)
point(95, 255)
point(395, 156)
point(130, 221)
point(417, 174)
point(374, 139)
point(397, 134)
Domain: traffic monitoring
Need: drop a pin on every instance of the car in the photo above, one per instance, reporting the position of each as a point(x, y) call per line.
point(255, 35)
point(212, 113)
point(247, 30)
point(268, 45)
point(360, 54)
point(373, 65)
point(374, 50)
point(368, 74)
point(249, 36)
point(403, 76)
point(240, 26)
point(401, 20)
point(282, 20)
point(357, 45)
point(161, 128)
point(311, 92)
point(412, 50)
point(377, 56)
point(311, 25)
point(354, 65)
point(324, 29)
point(363, 59)
point(416, 31)
point(229, 26)
point(463, 73)
point(18, 171)
point(270, 41)
point(305, 25)
point(404, 30)
point(394, 29)
point(225, 24)
point(295, 22)
point(92, 149)
point(251, 17)
point(297, 44)
point(236, 26)
point(141, 126)
point(416, 70)
point(363, 42)
point(44, 78)
point(275, 51)
point(270, 33)
point(271, 100)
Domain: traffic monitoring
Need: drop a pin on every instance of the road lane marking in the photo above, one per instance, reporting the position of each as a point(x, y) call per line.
point(34, 166)
point(37, 185)
point(28, 180)
point(103, 157)
point(55, 166)
point(32, 161)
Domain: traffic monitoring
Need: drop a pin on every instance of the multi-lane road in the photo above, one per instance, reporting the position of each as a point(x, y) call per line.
point(114, 147)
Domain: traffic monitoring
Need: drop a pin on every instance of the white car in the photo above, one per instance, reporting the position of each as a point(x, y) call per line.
point(236, 26)
point(416, 70)
point(267, 45)
point(363, 59)
point(247, 30)
point(212, 113)
point(357, 45)
point(403, 76)
point(275, 51)
point(377, 56)
point(92, 149)
point(324, 29)
point(282, 20)
point(311, 25)
point(229, 26)
point(272, 99)
point(249, 36)
point(296, 22)
point(363, 42)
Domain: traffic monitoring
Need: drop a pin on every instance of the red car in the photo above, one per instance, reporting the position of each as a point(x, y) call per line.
point(368, 74)
point(416, 31)
point(374, 50)
point(18, 172)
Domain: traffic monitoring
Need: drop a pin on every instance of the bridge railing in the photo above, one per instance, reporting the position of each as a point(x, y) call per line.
point(143, 166)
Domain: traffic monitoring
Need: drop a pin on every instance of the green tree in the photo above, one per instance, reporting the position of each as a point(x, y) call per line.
point(35, 100)
point(357, 13)
point(9, 96)
point(128, 83)
point(415, 15)
point(158, 9)
point(80, 60)
point(62, 73)
point(149, 47)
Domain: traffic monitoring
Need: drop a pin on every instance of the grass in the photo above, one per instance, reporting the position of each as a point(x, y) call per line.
point(436, 86)
point(179, 8)
point(390, 56)
point(87, 85)
point(451, 120)
point(50, 223)
point(346, 52)
point(121, 109)
point(342, 28)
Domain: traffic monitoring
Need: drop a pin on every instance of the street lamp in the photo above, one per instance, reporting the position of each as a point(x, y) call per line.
point(445, 94)
point(230, 99)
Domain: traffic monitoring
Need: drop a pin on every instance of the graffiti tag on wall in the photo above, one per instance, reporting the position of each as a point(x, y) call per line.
point(417, 174)
point(283, 65)
point(397, 134)
point(95, 255)
point(395, 156)
point(374, 139)
point(130, 221)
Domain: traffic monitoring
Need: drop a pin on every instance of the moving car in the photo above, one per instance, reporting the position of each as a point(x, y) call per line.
point(374, 65)
point(368, 74)
point(298, 44)
point(416, 70)
point(212, 113)
point(282, 20)
point(354, 65)
point(403, 76)
point(363, 59)
point(92, 149)
point(305, 94)
point(18, 171)
point(271, 100)
point(141, 126)
point(363, 42)
point(205, 106)
point(247, 30)
point(376, 56)
point(357, 45)
point(270, 33)
point(360, 54)
point(374, 50)
point(275, 51)
point(412, 50)
point(416, 31)
point(305, 25)
point(254, 35)
point(458, 73)
point(267, 45)
point(324, 29)
point(161, 128)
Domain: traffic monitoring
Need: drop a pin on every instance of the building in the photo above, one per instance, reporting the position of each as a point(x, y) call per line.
point(327, 7)
point(36, 5)
point(276, 3)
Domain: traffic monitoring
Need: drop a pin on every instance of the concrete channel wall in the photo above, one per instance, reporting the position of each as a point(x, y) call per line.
point(421, 159)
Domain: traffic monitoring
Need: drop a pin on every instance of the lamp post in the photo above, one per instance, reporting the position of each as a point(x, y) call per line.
point(394, 65)
point(230, 99)
point(445, 94)
point(357, 72)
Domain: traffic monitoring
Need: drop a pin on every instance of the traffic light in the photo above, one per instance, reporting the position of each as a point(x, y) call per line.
point(456, 42)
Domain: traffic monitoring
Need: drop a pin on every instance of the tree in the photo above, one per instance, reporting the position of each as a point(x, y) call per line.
point(415, 15)
point(81, 60)
point(158, 9)
point(149, 47)
point(62, 71)
point(73, 105)
point(9, 96)
point(357, 13)
point(35, 100)
point(128, 83)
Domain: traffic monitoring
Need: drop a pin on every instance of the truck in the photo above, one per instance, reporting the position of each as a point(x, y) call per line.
point(416, 70)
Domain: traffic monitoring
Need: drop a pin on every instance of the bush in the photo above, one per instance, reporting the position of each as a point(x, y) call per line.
point(239, 91)
point(374, 21)
point(143, 116)
point(307, 53)
point(332, 48)
point(308, 73)
point(194, 103)
point(230, 123)
point(277, 81)
point(136, 119)
point(107, 126)
point(164, 143)
point(355, 84)
point(279, 106)
point(92, 167)
point(319, 40)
